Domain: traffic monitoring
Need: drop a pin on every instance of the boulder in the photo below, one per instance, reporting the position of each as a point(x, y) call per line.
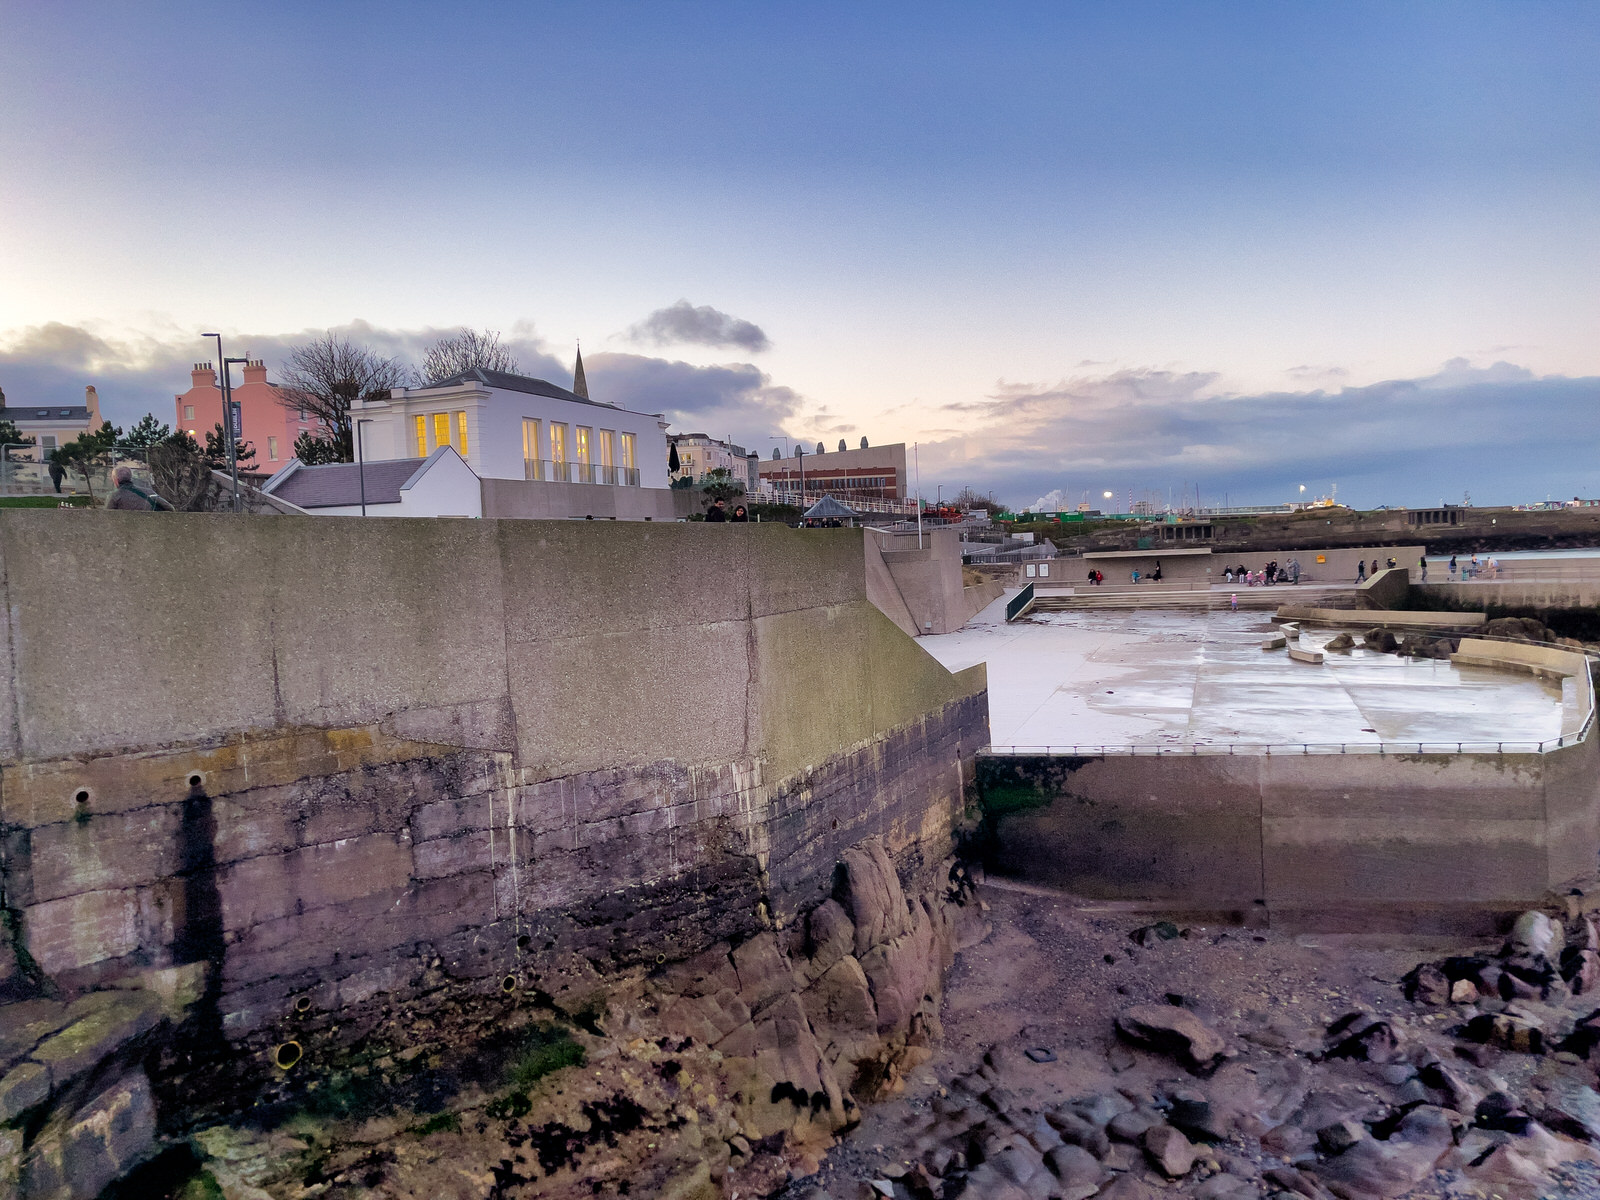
point(1169, 1150)
point(1365, 1038)
point(762, 970)
point(78, 1154)
point(868, 889)
point(1172, 1031)
point(1132, 1126)
point(1074, 1166)
point(1426, 984)
point(1390, 1168)
point(1339, 641)
point(829, 937)
point(1535, 936)
point(1380, 640)
point(1340, 1136)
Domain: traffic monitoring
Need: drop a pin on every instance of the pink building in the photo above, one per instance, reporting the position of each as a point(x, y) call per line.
point(268, 425)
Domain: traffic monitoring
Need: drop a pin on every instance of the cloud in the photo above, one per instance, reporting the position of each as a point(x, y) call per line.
point(683, 323)
point(1499, 432)
point(735, 399)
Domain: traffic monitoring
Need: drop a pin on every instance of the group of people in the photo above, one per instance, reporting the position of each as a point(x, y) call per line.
point(1489, 568)
point(719, 511)
point(1361, 568)
point(1267, 576)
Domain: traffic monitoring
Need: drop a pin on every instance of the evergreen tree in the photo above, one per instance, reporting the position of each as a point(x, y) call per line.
point(313, 451)
point(148, 432)
point(216, 451)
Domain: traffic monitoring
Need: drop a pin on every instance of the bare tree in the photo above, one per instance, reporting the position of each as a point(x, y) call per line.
point(326, 376)
point(462, 352)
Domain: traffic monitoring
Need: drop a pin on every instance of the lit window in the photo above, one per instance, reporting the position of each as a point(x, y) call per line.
point(422, 437)
point(530, 448)
point(272, 449)
point(558, 443)
point(628, 451)
point(581, 445)
point(188, 412)
point(441, 429)
point(461, 433)
point(608, 448)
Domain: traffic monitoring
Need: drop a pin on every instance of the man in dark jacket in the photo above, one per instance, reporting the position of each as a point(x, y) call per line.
point(717, 511)
point(132, 499)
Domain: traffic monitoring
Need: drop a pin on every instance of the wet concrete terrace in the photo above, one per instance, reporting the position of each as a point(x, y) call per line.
point(1180, 679)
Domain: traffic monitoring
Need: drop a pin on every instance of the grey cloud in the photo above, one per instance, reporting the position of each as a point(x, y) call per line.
point(1498, 432)
point(735, 399)
point(683, 323)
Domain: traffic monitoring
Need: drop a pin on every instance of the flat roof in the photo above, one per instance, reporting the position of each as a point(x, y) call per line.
point(1144, 553)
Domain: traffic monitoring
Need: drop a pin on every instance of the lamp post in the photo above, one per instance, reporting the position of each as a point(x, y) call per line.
point(361, 466)
point(227, 416)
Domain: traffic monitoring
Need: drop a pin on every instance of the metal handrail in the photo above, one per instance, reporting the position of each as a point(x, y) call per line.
point(1020, 603)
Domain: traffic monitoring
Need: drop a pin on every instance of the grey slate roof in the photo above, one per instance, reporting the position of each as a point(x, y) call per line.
point(51, 413)
point(506, 381)
point(337, 485)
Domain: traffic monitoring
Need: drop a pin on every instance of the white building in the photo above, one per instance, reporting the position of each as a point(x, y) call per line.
point(440, 485)
point(52, 425)
point(699, 454)
point(512, 427)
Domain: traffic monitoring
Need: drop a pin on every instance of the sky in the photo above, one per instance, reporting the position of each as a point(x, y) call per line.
point(1152, 248)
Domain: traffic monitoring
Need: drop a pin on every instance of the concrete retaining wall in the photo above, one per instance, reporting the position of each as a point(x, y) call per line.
point(1322, 841)
point(569, 747)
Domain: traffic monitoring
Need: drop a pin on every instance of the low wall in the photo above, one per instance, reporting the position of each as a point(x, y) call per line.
point(533, 499)
point(1514, 594)
point(921, 588)
point(1386, 618)
point(1318, 841)
point(480, 746)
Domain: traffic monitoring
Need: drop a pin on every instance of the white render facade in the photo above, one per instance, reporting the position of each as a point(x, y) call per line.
point(514, 427)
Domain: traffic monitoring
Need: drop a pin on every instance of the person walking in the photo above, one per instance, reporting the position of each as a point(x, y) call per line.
point(57, 474)
point(1452, 568)
point(1373, 570)
point(1423, 563)
point(717, 511)
point(1233, 602)
point(1361, 570)
point(129, 498)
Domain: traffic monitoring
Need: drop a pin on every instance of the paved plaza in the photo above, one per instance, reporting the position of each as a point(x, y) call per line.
point(1178, 679)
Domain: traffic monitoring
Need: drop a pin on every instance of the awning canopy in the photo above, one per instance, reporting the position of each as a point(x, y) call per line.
point(829, 507)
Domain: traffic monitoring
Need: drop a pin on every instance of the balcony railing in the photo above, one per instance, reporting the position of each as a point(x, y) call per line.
point(545, 471)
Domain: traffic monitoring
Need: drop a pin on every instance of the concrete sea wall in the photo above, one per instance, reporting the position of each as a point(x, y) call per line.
point(1321, 841)
point(337, 762)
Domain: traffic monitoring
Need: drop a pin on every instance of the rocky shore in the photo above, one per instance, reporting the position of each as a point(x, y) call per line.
point(1094, 1056)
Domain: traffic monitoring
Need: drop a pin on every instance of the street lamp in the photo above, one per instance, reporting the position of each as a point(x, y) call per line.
point(227, 416)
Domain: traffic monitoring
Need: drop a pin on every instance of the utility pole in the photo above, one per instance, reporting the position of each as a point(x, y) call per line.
point(916, 465)
point(361, 466)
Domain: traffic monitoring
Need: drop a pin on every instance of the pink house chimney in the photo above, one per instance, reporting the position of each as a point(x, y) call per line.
point(255, 371)
point(203, 375)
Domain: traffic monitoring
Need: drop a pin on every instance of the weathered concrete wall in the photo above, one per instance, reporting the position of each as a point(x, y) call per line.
point(1319, 840)
point(532, 499)
point(921, 589)
point(486, 746)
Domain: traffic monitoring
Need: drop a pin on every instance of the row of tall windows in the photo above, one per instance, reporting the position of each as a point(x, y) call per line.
point(585, 443)
point(433, 430)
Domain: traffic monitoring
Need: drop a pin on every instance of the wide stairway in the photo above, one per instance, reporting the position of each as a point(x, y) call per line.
point(1175, 597)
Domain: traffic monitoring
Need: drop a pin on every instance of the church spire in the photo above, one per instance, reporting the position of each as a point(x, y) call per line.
point(580, 385)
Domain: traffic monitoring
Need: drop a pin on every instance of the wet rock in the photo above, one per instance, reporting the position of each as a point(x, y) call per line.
point(1132, 1126)
point(1535, 936)
point(1339, 641)
point(1363, 1037)
point(1227, 1186)
point(1389, 1168)
point(1099, 1109)
point(1074, 1166)
point(1075, 1130)
point(1380, 640)
point(1426, 984)
point(1192, 1113)
point(1569, 1108)
point(1161, 931)
point(1500, 1110)
point(1449, 1089)
point(98, 1026)
point(1340, 1136)
point(1128, 1187)
point(21, 1088)
point(80, 1153)
point(1173, 1031)
point(1295, 1183)
point(984, 1181)
point(1169, 1150)
point(1505, 1030)
point(1581, 970)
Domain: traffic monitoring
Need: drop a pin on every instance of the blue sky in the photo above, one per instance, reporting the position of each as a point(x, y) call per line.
point(926, 211)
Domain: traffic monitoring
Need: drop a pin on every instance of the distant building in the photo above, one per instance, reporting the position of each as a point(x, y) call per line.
point(877, 472)
point(515, 427)
point(441, 485)
point(699, 454)
point(268, 424)
point(52, 425)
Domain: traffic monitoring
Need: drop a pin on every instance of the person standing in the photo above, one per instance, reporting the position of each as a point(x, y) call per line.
point(1452, 568)
point(1294, 570)
point(740, 514)
point(1423, 563)
point(717, 511)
